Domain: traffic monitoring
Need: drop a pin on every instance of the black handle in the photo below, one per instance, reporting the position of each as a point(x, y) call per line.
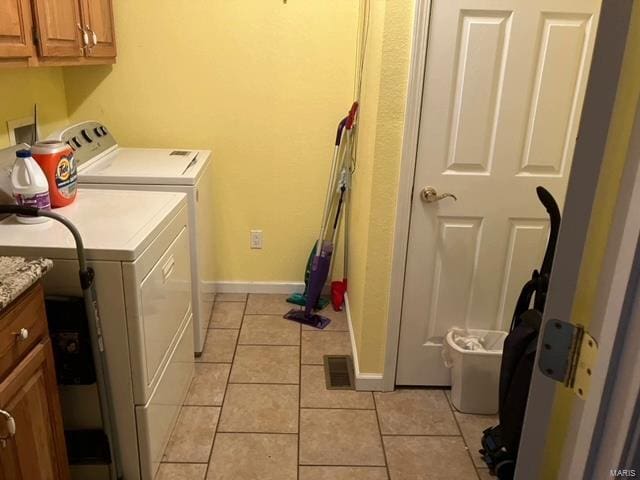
point(341, 126)
point(18, 210)
point(542, 278)
point(549, 204)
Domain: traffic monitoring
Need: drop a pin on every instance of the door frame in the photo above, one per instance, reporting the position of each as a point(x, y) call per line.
point(600, 426)
point(594, 437)
point(417, 66)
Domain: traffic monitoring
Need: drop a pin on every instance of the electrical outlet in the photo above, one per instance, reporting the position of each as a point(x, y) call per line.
point(256, 239)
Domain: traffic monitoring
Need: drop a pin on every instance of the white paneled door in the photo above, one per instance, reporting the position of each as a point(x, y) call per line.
point(503, 91)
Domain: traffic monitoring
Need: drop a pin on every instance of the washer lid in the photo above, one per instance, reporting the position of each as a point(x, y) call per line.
point(114, 225)
point(146, 167)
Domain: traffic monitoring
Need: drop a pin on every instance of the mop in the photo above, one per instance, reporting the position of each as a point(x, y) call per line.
point(301, 298)
point(323, 251)
point(95, 331)
point(339, 288)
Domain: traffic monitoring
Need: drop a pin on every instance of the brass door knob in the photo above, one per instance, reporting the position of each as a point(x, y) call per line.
point(431, 195)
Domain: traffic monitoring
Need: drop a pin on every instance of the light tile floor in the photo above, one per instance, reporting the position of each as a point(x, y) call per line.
point(258, 409)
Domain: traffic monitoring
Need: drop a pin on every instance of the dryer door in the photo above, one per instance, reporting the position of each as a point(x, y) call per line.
point(165, 297)
point(158, 297)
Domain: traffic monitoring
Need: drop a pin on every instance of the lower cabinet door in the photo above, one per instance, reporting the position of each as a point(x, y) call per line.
point(30, 396)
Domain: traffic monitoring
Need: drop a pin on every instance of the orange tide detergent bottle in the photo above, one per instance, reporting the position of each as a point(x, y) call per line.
point(59, 166)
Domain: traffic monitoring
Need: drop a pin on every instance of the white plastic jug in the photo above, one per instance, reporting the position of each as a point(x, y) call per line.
point(30, 186)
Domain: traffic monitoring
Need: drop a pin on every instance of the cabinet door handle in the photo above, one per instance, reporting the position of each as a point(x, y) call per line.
point(11, 426)
point(85, 35)
point(21, 334)
point(93, 37)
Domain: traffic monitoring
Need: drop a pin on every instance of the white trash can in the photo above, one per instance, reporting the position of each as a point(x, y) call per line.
point(474, 358)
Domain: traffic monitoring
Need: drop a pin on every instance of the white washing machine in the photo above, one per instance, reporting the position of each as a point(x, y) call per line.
point(102, 163)
point(138, 244)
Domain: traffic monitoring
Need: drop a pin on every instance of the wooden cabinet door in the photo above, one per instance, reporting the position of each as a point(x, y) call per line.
point(97, 19)
point(58, 25)
point(15, 29)
point(29, 394)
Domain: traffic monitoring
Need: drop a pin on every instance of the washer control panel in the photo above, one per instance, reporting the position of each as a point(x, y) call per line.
point(86, 139)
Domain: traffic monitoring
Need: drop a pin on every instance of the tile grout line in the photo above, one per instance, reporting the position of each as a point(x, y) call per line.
point(339, 408)
point(198, 359)
point(185, 399)
point(218, 327)
point(265, 314)
point(293, 433)
point(333, 465)
point(244, 432)
point(318, 330)
point(384, 450)
point(263, 383)
point(299, 398)
point(226, 389)
point(215, 363)
point(183, 462)
point(464, 440)
point(430, 435)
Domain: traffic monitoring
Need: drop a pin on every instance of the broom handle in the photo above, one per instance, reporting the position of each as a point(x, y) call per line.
point(330, 187)
point(351, 124)
point(347, 220)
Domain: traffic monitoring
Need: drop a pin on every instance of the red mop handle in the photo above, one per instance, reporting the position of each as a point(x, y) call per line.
point(351, 118)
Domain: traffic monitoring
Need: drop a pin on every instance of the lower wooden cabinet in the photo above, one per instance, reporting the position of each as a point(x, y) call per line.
point(29, 396)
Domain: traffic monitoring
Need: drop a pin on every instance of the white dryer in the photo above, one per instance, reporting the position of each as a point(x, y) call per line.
point(138, 244)
point(102, 163)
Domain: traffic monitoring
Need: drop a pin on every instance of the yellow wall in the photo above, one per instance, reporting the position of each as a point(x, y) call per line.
point(600, 225)
point(361, 185)
point(20, 88)
point(375, 188)
point(261, 83)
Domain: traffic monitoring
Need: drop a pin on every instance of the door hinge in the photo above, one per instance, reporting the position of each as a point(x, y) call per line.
point(568, 355)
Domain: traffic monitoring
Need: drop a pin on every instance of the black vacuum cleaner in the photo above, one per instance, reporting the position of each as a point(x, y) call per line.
point(500, 443)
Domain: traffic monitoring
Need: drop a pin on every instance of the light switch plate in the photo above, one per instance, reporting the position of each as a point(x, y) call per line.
point(256, 239)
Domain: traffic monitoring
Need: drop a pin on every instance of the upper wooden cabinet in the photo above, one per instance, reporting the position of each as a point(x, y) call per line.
point(97, 18)
point(58, 25)
point(65, 32)
point(15, 29)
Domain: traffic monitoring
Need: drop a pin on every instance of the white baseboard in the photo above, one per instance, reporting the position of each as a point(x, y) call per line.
point(364, 381)
point(254, 287)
